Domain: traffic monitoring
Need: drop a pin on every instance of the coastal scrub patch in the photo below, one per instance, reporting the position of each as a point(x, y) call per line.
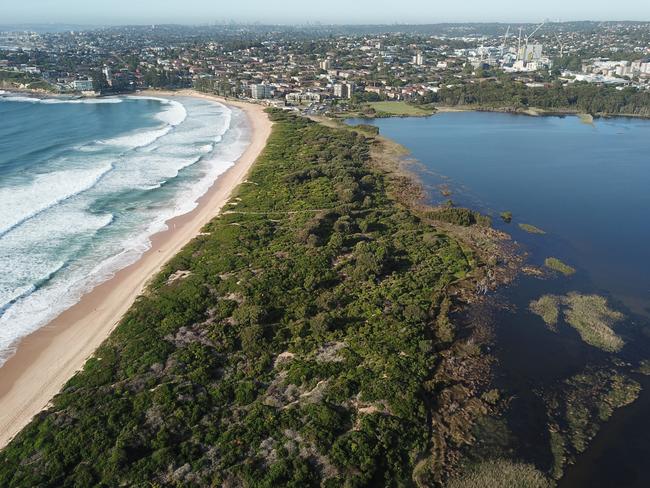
point(588, 314)
point(531, 229)
point(459, 216)
point(556, 265)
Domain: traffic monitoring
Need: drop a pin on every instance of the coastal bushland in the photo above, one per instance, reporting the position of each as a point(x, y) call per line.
point(304, 338)
point(578, 97)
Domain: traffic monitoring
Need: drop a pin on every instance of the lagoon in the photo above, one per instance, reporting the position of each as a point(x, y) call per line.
point(586, 187)
point(584, 184)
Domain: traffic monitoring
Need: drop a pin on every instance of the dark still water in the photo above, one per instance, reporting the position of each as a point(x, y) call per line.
point(588, 187)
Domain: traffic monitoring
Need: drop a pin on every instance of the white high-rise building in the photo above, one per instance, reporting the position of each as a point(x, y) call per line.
point(344, 90)
point(261, 91)
point(82, 85)
point(108, 74)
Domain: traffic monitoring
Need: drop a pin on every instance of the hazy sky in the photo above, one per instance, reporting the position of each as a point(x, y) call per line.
point(326, 11)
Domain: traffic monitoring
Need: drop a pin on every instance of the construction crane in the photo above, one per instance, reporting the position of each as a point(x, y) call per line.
point(505, 39)
point(526, 39)
point(534, 32)
point(561, 45)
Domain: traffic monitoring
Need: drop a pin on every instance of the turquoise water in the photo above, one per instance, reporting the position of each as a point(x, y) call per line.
point(587, 187)
point(85, 183)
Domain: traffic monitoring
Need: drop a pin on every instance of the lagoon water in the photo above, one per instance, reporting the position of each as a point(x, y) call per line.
point(85, 183)
point(587, 186)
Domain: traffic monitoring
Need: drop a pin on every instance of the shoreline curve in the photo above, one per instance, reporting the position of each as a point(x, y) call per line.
point(47, 358)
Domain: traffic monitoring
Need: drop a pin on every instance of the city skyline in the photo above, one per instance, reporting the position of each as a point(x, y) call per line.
point(332, 12)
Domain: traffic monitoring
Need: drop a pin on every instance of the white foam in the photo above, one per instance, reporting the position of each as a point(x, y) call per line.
point(190, 148)
point(138, 138)
point(28, 252)
point(55, 101)
point(21, 202)
point(174, 114)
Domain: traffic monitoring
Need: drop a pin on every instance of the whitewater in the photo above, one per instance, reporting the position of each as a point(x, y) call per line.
point(84, 184)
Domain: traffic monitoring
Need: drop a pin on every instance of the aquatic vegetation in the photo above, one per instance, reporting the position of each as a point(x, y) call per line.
point(556, 265)
point(593, 319)
point(578, 408)
point(586, 118)
point(506, 217)
point(500, 473)
point(531, 229)
point(445, 191)
point(644, 367)
point(547, 307)
point(588, 314)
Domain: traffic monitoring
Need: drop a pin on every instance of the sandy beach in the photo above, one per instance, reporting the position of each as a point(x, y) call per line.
point(48, 358)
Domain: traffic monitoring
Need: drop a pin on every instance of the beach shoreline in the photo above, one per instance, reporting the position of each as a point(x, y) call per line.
point(45, 360)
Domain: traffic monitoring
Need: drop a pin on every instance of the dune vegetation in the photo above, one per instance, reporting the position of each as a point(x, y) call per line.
point(302, 339)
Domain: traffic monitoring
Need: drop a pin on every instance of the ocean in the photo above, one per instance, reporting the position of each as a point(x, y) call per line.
point(84, 184)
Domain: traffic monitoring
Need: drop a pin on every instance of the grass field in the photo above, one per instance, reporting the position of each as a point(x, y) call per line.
point(399, 108)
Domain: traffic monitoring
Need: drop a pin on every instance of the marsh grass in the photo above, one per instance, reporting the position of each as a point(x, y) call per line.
point(644, 367)
point(588, 314)
point(547, 307)
point(500, 473)
point(556, 265)
point(593, 319)
point(531, 229)
point(580, 406)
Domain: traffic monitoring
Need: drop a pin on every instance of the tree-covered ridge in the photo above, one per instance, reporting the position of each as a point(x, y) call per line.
point(302, 339)
point(577, 97)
